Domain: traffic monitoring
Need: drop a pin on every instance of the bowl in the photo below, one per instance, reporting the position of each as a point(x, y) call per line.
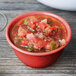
point(38, 60)
point(69, 5)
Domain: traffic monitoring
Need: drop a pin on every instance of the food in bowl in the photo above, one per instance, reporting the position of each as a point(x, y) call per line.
point(38, 33)
point(38, 59)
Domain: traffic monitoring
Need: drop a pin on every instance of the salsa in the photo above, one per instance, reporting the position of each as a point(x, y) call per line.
point(38, 33)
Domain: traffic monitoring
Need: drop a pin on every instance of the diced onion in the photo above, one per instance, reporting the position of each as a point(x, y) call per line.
point(40, 35)
point(47, 50)
point(45, 20)
point(62, 42)
point(29, 36)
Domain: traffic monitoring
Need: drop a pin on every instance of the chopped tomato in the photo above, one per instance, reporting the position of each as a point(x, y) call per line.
point(38, 43)
point(47, 30)
point(33, 26)
point(53, 30)
point(50, 30)
point(48, 47)
point(42, 25)
point(21, 32)
point(33, 20)
point(34, 40)
point(24, 42)
point(41, 43)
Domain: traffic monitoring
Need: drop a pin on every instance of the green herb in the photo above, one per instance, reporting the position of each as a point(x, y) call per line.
point(49, 21)
point(53, 31)
point(23, 30)
point(25, 22)
point(31, 47)
point(26, 46)
point(29, 50)
point(16, 33)
point(61, 35)
point(40, 42)
point(36, 26)
point(53, 44)
point(17, 39)
point(30, 29)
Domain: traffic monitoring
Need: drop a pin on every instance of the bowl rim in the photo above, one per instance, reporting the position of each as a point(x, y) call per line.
point(68, 29)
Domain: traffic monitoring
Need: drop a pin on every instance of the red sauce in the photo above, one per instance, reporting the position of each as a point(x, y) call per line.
point(38, 34)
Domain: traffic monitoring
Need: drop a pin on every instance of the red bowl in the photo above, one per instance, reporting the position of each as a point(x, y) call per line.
point(38, 60)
